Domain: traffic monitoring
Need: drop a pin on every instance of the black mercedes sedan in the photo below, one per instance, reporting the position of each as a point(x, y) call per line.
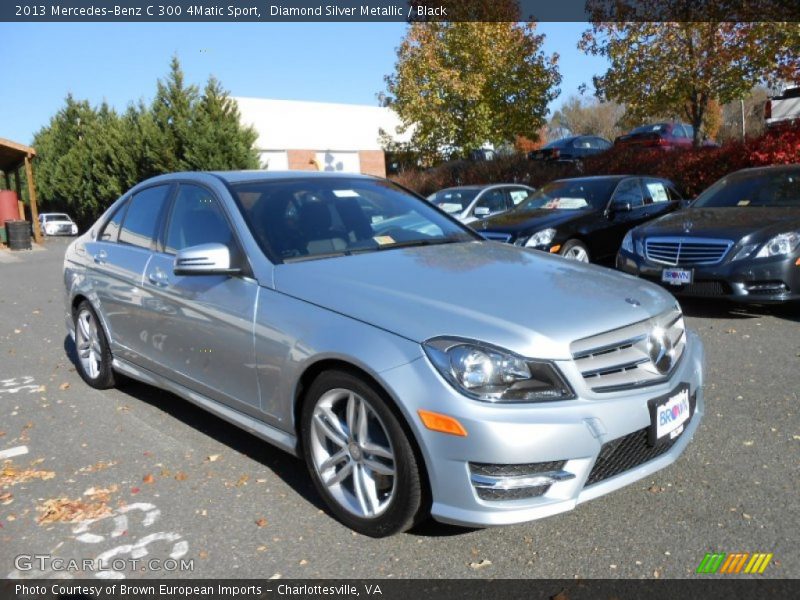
point(740, 239)
point(583, 218)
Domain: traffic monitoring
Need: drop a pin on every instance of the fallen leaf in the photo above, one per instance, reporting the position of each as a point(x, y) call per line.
point(6, 498)
point(562, 595)
point(202, 554)
point(64, 386)
point(135, 490)
point(276, 576)
point(261, 549)
point(181, 476)
point(655, 489)
point(480, 564)
point(243, 480)
point(97, 467)
point(261, 522)
point(148, 478)
point(746, 516)
point(11, 475)
point(212, 458)
point(65, 510)
point(731, 330)
point(749, 443)
point(303, 562)
point(261, 481)
point(11, 518)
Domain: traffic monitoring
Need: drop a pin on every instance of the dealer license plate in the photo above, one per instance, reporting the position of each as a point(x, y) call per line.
point(676, 276)
point(669, 415)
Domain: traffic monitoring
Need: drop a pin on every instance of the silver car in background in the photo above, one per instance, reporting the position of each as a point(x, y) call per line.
point(470, 203)
point(415, 373)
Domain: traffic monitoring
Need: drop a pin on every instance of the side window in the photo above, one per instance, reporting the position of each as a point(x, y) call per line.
point(518, 195)
point(631, 192)
point(197, 218)
point(655, 191)
point(674, 195)
point(140, 226)
point(689, 130)
point(110, 231)
point(494, 200)
point(601, 144)
point(678, 131)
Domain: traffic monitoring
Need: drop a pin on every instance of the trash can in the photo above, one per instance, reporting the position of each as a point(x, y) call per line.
point(19, 235)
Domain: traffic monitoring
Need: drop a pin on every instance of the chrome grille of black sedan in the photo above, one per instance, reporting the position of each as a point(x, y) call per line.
point(686, 251)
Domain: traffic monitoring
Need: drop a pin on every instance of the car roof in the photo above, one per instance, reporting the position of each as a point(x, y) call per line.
point(767, 169)
point(245, 176)
point(603, 178)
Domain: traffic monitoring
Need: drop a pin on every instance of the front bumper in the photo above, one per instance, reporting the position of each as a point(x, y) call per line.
point(571, 437)
point(765, 280)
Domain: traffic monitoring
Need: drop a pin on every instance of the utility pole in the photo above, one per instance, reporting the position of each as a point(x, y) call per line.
point(741, 100)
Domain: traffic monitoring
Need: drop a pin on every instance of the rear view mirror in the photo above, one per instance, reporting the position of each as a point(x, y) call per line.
point(205, 259)
point(482, 211)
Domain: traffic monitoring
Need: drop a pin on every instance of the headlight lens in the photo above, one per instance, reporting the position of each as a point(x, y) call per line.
point(627, 242)
point(541, 238)
point(491, 374)
point(781, 244)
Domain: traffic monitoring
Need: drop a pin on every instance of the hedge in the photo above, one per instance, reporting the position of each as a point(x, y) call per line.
point(692, 170)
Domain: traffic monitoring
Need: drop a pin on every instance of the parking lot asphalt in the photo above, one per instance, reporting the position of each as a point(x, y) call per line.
point(164, 479)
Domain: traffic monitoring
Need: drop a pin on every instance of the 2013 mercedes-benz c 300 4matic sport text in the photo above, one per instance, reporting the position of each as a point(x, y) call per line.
point(415, 373)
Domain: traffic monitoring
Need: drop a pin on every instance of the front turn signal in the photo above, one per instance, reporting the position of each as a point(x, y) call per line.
point(441, 423)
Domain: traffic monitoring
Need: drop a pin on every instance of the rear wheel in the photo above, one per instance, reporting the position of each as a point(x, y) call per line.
point(359, 456)
point(575, 250)
point(94, 354)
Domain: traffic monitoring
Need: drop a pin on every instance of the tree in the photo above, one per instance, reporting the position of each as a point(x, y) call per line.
point(679, 68)
point(459, 86)
point(589, 116)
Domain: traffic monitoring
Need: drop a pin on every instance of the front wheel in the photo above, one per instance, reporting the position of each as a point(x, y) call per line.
point(575, 250)
point(359, 456)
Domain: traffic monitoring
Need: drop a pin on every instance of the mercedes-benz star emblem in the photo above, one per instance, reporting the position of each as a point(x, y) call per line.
point(633, 301)
point(687, 226)
point(660, 349)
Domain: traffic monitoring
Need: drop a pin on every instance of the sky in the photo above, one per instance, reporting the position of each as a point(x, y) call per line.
point(120, 62)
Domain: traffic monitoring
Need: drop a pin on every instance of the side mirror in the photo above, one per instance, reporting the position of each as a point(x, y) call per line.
point(620, 207)
point(482, 211)
point(205, 259)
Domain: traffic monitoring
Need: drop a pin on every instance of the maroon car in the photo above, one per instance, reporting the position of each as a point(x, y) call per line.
point(659, 135)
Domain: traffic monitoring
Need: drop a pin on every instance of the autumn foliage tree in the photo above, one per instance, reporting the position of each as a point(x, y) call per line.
point(460, 85)
point(682, 68)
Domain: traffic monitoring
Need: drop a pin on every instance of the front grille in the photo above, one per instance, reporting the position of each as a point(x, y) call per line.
point(686, 251)
point(514, 494)
point(706, 289)
point(631, 451)
point(629, 357)
point(496, 236)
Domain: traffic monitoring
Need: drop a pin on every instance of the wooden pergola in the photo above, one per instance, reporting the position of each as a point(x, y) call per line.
point(14, 157)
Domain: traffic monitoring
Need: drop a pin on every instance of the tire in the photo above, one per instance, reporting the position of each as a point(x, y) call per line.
point(92, 349)
point(374, 486)
point(575, 250)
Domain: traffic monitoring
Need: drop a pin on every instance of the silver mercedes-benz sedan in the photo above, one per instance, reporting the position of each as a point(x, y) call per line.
point(416, 370)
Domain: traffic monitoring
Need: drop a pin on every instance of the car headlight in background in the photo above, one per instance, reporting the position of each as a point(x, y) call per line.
point(491, 374)
point(627, 243)
point(780, 245)
point(540, 238)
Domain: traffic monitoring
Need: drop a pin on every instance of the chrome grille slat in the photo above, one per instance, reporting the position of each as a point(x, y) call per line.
point(687, 251)
point(620, 359)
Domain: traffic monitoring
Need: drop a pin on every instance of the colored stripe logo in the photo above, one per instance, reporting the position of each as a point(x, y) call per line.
point(734, 563)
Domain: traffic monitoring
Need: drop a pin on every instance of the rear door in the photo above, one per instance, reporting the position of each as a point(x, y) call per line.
point(199, 328)
point(120, 254)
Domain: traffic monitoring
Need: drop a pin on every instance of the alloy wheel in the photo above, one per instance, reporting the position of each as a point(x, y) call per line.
point(577, 253)
point(87, 341)
point(352, 453)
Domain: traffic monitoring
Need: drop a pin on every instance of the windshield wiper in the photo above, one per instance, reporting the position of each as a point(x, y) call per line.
point(423, 242)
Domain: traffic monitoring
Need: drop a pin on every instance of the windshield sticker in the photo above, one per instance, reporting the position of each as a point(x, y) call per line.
point(345, 193)
point(743, 203)
point(384, 239)
point(566, 203)
point(450, 207)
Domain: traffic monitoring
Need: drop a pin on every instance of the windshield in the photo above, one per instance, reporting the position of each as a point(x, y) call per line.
point(56, 217)
point(454, 200)
point(755, 189)
point(562, 143)
point(571, 194)
point(315, 217)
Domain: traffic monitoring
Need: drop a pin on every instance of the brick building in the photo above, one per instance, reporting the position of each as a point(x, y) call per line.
point(314, 136)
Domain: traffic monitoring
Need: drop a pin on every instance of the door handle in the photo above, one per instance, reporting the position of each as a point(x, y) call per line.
point(100, 257)
point(158, 278)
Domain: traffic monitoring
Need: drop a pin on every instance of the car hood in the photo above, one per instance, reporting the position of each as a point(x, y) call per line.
point(732, 223)
point(518, 221)
point(523, 300)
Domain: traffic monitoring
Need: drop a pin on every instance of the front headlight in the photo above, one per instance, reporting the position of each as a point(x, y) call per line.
point(541, 238)
point(780, 245)
point(627, 243)
point(484, 372)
